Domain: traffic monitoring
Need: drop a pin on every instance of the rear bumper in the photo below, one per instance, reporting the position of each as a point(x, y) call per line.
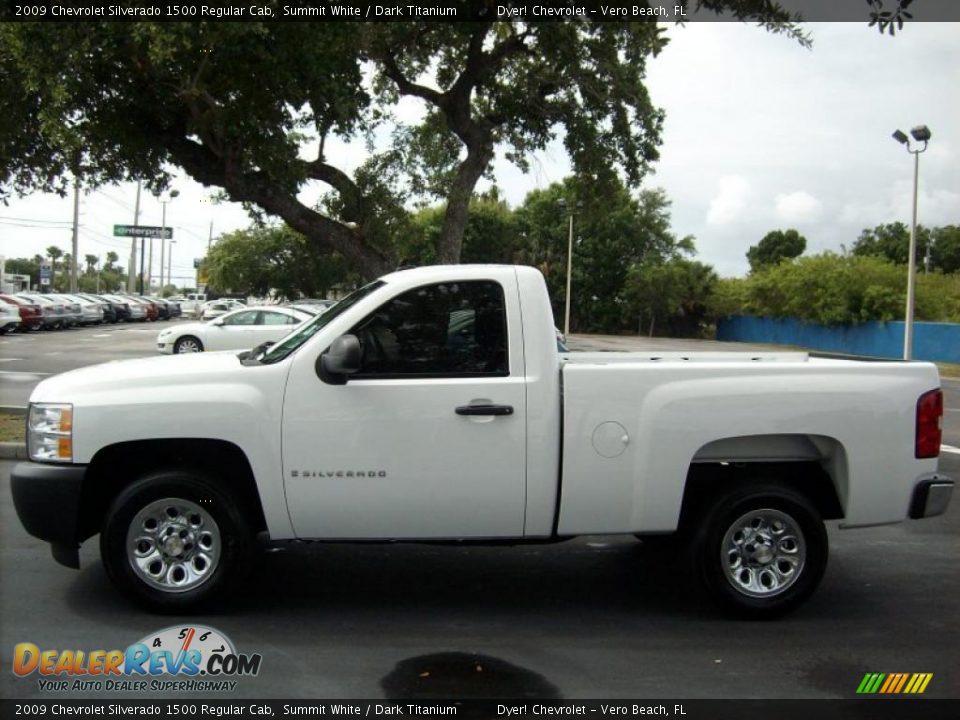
point(931, 496)
point(47, 499)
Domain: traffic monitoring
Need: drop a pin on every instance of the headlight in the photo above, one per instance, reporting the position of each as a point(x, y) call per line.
point(50, 432)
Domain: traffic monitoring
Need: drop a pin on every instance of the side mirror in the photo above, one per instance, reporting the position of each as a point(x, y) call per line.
point(341, 360)
point(218, 322)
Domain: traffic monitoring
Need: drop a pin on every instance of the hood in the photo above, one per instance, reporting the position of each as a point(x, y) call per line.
point(123, 375)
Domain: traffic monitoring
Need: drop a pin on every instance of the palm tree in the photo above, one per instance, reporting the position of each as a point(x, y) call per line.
point(54, 253)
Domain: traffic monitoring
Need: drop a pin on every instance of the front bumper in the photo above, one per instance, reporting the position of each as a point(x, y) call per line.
point(47, 499)
point(931, 496)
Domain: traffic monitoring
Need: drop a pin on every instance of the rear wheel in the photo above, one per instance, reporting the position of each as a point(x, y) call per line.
point(187, 344)
point(761, 551)
point(173, 540)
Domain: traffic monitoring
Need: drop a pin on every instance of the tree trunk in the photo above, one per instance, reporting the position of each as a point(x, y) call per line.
point(259, 190)
point(458, 203)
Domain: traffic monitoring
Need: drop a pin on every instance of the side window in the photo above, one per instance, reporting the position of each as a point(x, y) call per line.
point(268, 317)
point(244, 318)
point(449, 329)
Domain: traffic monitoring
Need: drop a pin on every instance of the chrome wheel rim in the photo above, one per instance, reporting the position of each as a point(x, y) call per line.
point(763, 553)
point(187, 346)
point(173, 545)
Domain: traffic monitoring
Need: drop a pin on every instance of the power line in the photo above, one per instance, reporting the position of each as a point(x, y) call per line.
point(35, 220)
point(115, 201)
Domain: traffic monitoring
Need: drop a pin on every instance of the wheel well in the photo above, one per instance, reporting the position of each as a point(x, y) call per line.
point(706, 481)
point(116, 466)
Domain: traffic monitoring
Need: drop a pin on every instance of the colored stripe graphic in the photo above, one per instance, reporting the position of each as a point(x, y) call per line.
point(894, 683)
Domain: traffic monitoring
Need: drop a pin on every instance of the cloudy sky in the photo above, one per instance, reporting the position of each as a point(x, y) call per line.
point(760, 134)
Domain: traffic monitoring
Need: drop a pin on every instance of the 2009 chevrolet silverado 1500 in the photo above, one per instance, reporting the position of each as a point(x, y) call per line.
point(433, 405)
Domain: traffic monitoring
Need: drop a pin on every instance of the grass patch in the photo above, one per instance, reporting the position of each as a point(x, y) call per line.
point(12, 427)
point(949, 370)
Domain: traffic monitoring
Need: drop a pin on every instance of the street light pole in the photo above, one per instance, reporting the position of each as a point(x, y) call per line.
point(566, 316)
point(921, 133)
point(163, 231)
point(170, 259)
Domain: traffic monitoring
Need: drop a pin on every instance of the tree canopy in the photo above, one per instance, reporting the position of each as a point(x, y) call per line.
point(892, 241)
point(252, 107)
point(776, 246)
point(833, 289)
point(273, 259)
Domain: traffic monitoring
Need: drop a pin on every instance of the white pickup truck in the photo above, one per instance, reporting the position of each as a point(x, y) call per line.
point(433, 405)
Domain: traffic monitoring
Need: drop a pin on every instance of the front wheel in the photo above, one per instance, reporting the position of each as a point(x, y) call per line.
point(761, 551)
point(187, 344)
point(173, 540)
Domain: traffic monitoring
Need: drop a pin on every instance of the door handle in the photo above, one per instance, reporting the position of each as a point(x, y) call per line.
point(485, 410)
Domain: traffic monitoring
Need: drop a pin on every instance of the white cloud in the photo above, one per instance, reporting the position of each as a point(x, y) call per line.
point(798, 207)
point(731, 202)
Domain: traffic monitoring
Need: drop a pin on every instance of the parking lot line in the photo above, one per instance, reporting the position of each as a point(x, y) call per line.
point(10, 359)
point(950, 449)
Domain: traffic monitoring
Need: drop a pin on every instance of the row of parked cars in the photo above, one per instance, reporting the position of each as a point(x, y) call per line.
point(231, 325)
point(27, 311)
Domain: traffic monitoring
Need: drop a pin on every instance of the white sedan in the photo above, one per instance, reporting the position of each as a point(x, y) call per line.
point(240, 329)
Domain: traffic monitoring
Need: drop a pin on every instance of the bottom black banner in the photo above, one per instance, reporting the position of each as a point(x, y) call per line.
point(868, 709)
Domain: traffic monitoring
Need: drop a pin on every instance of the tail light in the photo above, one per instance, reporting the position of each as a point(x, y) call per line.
point(929, 414)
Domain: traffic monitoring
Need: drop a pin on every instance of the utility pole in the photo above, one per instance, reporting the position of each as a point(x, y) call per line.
point(76, 220)
point(921, 134)
point(132, 275)
point(149, 268)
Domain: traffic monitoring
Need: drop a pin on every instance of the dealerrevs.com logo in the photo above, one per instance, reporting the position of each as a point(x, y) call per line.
point(178, 659)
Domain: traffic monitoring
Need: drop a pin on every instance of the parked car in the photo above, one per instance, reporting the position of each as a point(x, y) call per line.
point(151, 310)
point(112, 311)
point(91, 311)
point(54, 313)
point(311, 309)
point(31, 314)
point(9, 317)
point(321, 305)
point(72, 312)
point(237, 330)
point(106, 310)
point(192, 305)
point(174, 305)
point(126, 309)
point(169, 308)
point(163, 308)
point(215, 308)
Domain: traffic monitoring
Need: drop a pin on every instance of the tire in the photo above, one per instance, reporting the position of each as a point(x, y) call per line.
point(761, 550)
point(187, 344)
point(173, 540)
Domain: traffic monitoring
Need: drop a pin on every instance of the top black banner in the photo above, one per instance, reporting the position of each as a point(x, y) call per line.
point(882, 13)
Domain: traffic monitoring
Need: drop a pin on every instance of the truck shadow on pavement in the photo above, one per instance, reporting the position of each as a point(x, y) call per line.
point(602, 577)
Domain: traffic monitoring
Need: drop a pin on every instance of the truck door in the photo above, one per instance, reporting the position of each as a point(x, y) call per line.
point(428, 440)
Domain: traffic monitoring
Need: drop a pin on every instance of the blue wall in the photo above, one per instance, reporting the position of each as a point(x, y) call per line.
point(931, 341)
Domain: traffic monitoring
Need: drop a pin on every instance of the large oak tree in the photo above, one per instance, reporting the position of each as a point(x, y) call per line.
point(251, 107)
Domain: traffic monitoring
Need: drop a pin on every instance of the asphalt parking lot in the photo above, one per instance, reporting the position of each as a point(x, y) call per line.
point(594, 617)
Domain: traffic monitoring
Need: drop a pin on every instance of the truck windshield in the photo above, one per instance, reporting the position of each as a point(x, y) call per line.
point(282, 349)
